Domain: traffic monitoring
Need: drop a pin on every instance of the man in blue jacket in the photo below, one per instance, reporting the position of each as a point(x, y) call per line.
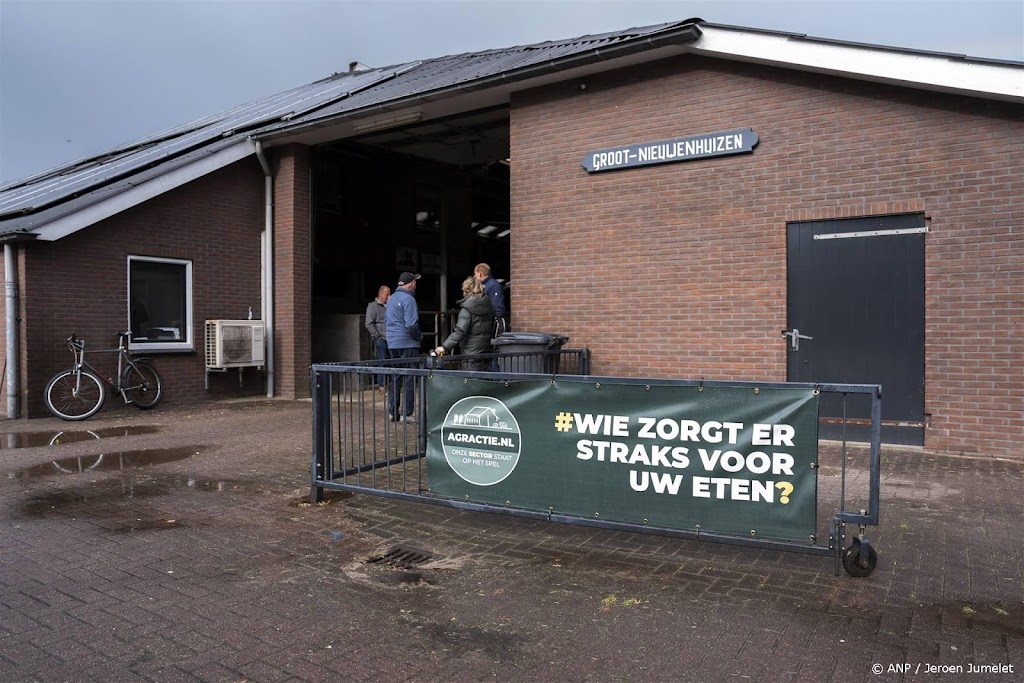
point(482, 272)
point(496, 294)
point(402, 323)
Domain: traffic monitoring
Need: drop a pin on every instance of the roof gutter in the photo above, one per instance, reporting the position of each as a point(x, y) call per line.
point(685, 32)
point(932, 71)
point(17, 236)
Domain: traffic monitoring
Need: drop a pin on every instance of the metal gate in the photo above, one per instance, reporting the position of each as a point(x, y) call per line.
point(357, 446)
point(856, 314)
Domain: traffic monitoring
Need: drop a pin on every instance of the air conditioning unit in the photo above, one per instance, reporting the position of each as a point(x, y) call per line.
point(234, 343)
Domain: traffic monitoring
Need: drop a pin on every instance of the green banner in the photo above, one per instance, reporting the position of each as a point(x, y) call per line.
point(729, 460)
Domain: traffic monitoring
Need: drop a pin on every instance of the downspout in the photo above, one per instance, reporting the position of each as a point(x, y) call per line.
point(11, 303)
point(268, 267)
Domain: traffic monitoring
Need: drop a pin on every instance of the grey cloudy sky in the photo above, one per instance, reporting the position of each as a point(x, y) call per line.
point(78, 77)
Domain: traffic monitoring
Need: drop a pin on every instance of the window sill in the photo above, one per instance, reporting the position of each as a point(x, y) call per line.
point(154, 349)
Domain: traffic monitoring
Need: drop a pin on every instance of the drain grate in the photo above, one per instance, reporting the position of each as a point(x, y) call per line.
point(403, 557)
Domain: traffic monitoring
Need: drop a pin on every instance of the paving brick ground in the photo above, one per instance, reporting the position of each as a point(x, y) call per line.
point(190, 553)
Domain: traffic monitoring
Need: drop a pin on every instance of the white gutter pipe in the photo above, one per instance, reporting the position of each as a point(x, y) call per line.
point(268, 267)
point(11, 303)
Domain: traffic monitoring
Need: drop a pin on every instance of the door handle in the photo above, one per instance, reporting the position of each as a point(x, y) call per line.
point(794, 338)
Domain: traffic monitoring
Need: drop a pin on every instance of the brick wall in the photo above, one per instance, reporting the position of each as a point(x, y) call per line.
point(291, 268)
point(680, 270)
point(79, 283)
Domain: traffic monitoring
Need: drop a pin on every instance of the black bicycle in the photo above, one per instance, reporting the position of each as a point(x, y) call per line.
point(79, 392)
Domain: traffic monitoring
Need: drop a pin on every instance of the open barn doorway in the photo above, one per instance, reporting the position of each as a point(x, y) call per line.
point(430, 197)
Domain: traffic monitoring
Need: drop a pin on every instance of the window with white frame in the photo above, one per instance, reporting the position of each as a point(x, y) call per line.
point(160, 303)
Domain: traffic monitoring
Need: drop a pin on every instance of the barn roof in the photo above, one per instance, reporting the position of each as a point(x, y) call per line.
point(53, 203)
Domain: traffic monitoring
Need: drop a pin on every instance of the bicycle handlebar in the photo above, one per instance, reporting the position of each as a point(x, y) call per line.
point(75, 342)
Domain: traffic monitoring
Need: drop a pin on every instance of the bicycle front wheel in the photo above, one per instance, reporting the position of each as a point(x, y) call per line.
point(141, 385)
point(73, 397)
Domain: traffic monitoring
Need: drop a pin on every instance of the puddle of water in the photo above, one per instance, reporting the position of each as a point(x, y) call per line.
point(121, 460)
point(253, 405)
point(33, 439)
point(190, 482)
point(93, 498)
point(148, 525)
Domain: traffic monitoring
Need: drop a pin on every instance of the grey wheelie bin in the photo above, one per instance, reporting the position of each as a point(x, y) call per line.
point(518, 344)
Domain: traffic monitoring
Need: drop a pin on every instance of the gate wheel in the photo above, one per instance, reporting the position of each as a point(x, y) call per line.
point(855, 565)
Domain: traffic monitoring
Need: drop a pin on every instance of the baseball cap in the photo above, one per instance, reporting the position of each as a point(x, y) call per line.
point(406, 278)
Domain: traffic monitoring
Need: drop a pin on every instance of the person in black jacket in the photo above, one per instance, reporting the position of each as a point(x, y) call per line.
point(475, 324)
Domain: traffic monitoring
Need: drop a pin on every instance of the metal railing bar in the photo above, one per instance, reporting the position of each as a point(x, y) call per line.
point(842, 480)
point(389, 432)
point(321, 428)
point(876, 456)
point(418, 361)
point(337, 416)
point(688, 534)
point(871, 516)
point(405, 433)
point(512, 376)
point(377, 464)
point(364, 407)
point(867, 422)
point(373, 431)
point(421, 412)
point(350, 387)
point(363, 410)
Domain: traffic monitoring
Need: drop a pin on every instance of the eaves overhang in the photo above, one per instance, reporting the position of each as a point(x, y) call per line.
point(954, 74)
point(87, 209)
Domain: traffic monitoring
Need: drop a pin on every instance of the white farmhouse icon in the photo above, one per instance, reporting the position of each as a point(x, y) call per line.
point(483, 417)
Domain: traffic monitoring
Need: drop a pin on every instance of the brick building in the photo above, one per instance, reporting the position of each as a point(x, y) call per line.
point(842, 213)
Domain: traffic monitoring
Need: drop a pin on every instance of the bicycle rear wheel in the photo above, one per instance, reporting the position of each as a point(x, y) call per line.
point(68, 404)
point(141, 385)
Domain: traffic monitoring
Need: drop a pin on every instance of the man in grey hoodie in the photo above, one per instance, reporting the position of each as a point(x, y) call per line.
point(402, 321)
point(376, 326)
